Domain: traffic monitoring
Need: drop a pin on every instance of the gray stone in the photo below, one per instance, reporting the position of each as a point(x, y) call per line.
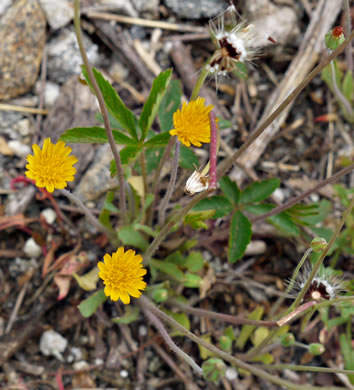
point(58, 13)
point(197, 9)
point(145, 8)
point(64, 59)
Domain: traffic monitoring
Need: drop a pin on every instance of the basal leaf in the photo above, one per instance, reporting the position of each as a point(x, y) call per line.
point(152, 104)
point(230, 189)
point(258, 191)
point(94, 135)
point(220, 204)
point(240, 236)
point(170, 269)
point(130, 315)
point(169, 105)
point(114, 103)
point(89, 305)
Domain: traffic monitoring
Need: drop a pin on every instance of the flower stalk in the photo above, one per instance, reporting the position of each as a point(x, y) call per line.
point(103, 108)
point(214, 143)
point(171, 185)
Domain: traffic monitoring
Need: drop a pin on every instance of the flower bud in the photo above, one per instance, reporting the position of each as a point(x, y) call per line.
point(334, 38)
point(287, 339)
point(213, 369)
point(225, 343)
point(316, 349)
point(318, 244)
point(160, 295)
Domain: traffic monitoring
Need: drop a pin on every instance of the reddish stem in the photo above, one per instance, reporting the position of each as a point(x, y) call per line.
point(213, 149)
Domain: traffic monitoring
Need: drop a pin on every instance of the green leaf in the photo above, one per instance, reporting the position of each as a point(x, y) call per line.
point(230, 189)
point(240, 236)
point(196, 219)
point(152, 104)
point(107, 208)
point(258, 191)
point(89, 305)
point(327, 75)
point(247, 330)
point(129, 154)
point(322, 210)
point(119, 110)
point(188, 159)
point(194, 261)
point(284, 223)
point(131, 314)
point(158, 140)
point(94, 135)
point(218, 203)
point(169, 269)
point(192, 280)
point(170, 103)
point(130, 236)
point(224, 124)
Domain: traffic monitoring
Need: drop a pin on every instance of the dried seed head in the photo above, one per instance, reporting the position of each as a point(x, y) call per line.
point(325, 285)
point(236, 42)
point(196, 183)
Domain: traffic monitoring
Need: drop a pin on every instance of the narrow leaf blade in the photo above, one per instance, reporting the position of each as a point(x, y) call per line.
point(240, 236)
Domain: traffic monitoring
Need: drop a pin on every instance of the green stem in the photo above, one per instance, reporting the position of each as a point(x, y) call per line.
point(294, 367)
point(169, 225)
point(198, 85)
point(171, 185)
point(339, 94)
point(156, 181)
point(103, 108)
point(322, 257)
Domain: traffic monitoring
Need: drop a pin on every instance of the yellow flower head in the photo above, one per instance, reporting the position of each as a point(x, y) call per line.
point(51, 167)
point(122, 274)
point(192, 123)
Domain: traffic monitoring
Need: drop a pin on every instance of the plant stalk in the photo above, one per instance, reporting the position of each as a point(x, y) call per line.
point(103, 108)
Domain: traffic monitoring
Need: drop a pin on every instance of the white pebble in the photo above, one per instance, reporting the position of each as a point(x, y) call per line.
point(124, 374)
point(49, 215)
point(231, 374)
point(142, 331)
point(81, 365)
point(32, 249)
point(20, 149)
point(52, 344)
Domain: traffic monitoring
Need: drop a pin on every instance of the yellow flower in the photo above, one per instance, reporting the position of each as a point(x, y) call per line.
point(122, 275)
point(51, 167)
point(192, 123)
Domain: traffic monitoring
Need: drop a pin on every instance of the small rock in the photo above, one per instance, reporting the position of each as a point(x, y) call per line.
point(24, 127)
point(191, 9)
point(51, 92)
point(279, 22)
point(81, 365)
point(58, 13)
point(75, 355)
point(19, 148)
point(52, 344)
point(49, 215)
point(97, 180)
point(22, 39)
point(278, 194)
point(32, 249)
point(64, 59)
point(256, 247)
point(142, 331)
point(145, 8)
point(124, 373)
point(4, 5)
point(123, 7)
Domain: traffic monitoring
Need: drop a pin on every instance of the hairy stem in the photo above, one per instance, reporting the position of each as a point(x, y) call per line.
point(304, 195)
point(348, 28)
point(171, 185)
point(103, 108)
point(294, 367)
point(235, 320)
point(161, 329)
point(214, 131)
point(91, 218)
